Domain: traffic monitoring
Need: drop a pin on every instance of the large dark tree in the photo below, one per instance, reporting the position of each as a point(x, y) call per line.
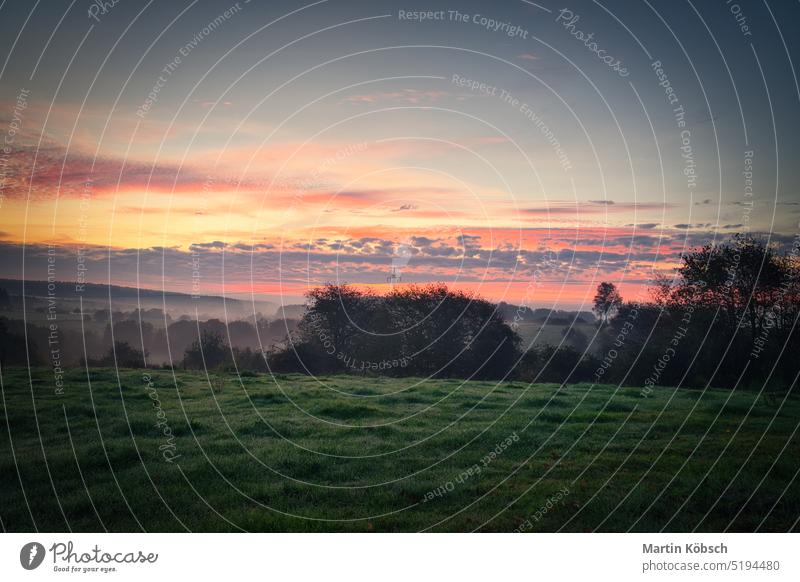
point(726, 320)
point(413, 330)
point(748, 282)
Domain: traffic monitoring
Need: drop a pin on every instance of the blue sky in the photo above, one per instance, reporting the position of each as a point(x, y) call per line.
point(292, 133)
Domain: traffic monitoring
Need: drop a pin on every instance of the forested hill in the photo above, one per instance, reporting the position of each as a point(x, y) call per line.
point(96, 296)
point(95, 291)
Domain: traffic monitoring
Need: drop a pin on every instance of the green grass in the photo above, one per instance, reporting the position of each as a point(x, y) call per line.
point(364, 454)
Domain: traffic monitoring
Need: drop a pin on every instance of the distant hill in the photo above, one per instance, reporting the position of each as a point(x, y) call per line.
point(66, 290)
point(290, 312)
point(129, 297)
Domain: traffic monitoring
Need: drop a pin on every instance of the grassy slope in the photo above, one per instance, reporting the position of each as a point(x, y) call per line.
point(235, 471)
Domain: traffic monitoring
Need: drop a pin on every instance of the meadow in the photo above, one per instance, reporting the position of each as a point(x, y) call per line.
point(153, 450)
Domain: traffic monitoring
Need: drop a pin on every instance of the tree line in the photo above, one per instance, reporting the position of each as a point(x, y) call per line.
point(729, 319)
point(133, 343)
point(726, 318)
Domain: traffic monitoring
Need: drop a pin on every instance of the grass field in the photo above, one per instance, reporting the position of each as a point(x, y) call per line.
point(363, 454)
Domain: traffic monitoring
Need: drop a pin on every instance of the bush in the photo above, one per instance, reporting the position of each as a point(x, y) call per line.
point(411, 331)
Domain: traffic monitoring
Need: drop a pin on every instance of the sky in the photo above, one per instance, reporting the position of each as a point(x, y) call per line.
point(523, 151)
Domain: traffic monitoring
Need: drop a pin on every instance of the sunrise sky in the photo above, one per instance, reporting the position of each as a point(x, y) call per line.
point(266, 149)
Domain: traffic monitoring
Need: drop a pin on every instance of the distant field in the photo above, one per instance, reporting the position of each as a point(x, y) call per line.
point(538, 334)
point(362, 454)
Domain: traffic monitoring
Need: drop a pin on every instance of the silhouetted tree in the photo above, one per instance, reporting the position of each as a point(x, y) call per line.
point(208, 352)
point(5, 300)
point(12, 348)
point(606, 301)
point(126, 356)
point(120, 355)
point(725, 320)
point(413, 330)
